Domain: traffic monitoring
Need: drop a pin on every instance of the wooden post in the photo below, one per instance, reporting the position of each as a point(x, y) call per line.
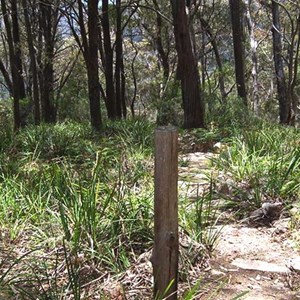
point(165, 250)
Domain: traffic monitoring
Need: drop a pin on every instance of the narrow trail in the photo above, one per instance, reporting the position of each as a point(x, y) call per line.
point(262, 263)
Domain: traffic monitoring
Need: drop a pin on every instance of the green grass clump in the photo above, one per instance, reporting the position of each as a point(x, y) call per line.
point(266, 160)
point(74, 193)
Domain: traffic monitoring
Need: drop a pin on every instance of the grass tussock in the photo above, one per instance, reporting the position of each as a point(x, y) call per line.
point(76, 197)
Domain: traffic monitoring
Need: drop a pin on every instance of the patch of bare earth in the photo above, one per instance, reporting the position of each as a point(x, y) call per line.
point(248, 263)
point(256, 263)
point(259, 261)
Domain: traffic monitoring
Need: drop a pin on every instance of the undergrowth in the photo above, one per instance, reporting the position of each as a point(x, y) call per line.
point(76, 206)
point(81, 198)
point(264, 164)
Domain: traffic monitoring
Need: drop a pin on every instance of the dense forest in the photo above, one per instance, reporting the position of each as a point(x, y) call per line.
point(84, 84)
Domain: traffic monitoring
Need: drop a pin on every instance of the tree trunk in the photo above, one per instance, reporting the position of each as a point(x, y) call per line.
point(6, 77)
point(109, 76)
point(253, 50)
point(293, 56)
point(92, 65)
point(123, 89)
point(187, 71)
point(33, 66)
point(17, 47)
point(213, 42)
point(284, 105)
point(88, 44)
point(119, 58)
point(14, 69)
point(47, 89)
point(163, 55)
point(294, 80)
point(238, 47)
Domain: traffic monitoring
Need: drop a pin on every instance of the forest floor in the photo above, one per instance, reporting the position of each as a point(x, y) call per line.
point(223, 256)
point(260, 262)
point(247, 262)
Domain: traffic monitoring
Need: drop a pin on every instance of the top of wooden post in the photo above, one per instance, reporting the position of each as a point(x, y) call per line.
point(166, 128)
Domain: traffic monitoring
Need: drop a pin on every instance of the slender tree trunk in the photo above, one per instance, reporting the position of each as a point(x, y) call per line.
point(33, 66)
point(47, 93)
point(119, 58)
point(238, 47)
point(123, 89)
point(40, 64)
point(163, 55)
point(109, 76)
point(14, 69)
point(293, 55)
point(92, 65)
point(17, 47)
point(253, 50)
point(88, 44)
point(294, 80)
point(213, 42)
point(25, 108)
point(6, 77)
point(284, 103)
point(187, 70)
point(133, 99)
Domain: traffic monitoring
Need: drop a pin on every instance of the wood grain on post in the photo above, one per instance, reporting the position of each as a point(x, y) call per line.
point(165, 250)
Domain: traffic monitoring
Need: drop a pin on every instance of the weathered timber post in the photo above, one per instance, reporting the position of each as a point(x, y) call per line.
point(165, 250)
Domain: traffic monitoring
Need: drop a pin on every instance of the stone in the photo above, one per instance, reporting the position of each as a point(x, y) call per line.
point(259, 265)
point(294, 264)
point(268, 213)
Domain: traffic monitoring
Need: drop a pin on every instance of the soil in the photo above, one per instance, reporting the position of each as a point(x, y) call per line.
point(258, 263)
point(249, 263)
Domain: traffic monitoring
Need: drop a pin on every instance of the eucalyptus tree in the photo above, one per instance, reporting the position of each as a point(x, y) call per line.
point(77, 13)
point(187, 69)
point(111, 104)
point(284, 103)
point(120, 81)
point(155, 20)
point(49, 18)
point(114, 19)
point(34, 41)
point(286, 23)
point(237, 13)
point(210, 21)
point(254, 43)
point(10, 16)
point(33, 61)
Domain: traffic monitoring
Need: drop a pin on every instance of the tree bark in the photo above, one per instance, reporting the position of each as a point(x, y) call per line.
point(47, 88)
point(6, 77)
point(119, 61)
point(284, 105)
point(187, 70)
point(238, 47)
point(92, 65)
point(33, 65)
point(163, 55)
point(88, 44)
point(109, 76)
point(14, 68)
point(213, 42)
point(253, 51)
